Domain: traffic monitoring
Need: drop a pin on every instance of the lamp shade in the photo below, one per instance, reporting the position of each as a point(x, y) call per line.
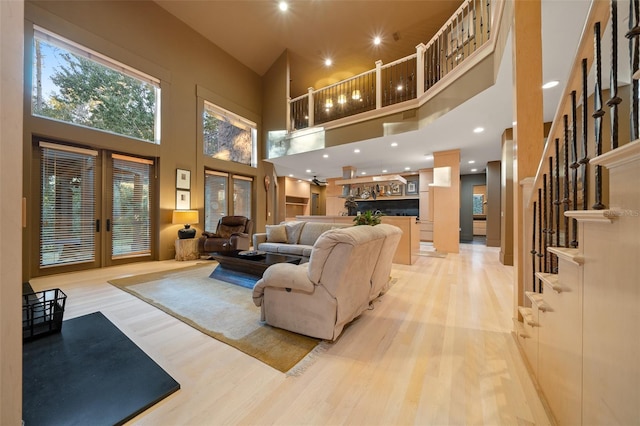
point(184, 217)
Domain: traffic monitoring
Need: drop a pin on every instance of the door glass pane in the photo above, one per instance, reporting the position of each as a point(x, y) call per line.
point(241, 196)
point(131, 228)
point(215, 200)
point(67, 215)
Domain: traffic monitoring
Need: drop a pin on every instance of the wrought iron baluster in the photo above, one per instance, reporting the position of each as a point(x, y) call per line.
point(545, 229)
point(540, 243)
point(533, 247)
point(574, 168)
point(584, 161)
point(550, 230)
point(598, 113)
point(557, 201)
point(634, 59)
point(565, 201)
point(614, 99)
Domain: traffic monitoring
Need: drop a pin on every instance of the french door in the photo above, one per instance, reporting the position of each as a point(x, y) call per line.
point(95, 208)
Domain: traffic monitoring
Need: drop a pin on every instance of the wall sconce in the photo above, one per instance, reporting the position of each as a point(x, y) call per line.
point(355, 95)
point(328, 104)
point(186, 218)
point(342, 99)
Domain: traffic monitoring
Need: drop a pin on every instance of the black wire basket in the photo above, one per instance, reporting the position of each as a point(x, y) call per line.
point(42, 313)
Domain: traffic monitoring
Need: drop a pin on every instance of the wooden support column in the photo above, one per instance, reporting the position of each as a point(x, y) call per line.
point(13, 209)
point(446, 203)
point(528, 135)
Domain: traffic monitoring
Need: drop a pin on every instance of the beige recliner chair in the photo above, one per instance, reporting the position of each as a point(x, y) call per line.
point(348, 268)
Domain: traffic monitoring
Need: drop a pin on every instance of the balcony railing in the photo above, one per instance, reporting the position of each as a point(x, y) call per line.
point(405, 79)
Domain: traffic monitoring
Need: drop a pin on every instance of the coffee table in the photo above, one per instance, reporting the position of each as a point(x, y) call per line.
point(244, 270)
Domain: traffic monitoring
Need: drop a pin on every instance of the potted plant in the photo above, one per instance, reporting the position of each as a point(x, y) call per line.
point(368, 218)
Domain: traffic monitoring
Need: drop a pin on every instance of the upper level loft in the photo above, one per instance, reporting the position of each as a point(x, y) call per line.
point(464, 46)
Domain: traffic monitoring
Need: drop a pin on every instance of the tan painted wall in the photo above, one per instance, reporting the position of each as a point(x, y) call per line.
point(190, 69)
point(11, 28)
point(446, 204)
point(506, 199)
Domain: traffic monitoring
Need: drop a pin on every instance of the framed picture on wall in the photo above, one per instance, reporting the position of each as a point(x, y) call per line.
point(183, 179)
point(183, 200)
point(411, 188)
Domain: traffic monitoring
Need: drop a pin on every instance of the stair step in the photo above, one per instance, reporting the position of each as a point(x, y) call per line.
point(602, 216)
point(625, 154)
point(520, 330)
point(551, 280)
point(572, 255)
point(537, 299)
point(527, 315)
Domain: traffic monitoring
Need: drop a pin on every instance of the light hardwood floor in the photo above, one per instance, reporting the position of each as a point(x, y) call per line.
point(437, 349)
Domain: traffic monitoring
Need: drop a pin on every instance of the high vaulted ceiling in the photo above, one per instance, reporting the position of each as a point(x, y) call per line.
point(256, 33)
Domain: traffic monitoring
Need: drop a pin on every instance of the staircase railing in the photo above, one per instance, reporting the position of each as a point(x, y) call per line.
point(565, 162)
point(405, 79)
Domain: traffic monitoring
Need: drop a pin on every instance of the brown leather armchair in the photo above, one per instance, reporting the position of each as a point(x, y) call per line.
point(232, 233)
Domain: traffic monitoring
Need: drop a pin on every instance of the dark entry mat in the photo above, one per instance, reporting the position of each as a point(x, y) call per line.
point(89, 374)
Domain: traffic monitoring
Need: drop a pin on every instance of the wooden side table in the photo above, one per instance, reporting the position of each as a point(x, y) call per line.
point(187, 249)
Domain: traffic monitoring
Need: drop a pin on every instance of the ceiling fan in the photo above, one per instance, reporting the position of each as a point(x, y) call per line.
point(318, 182)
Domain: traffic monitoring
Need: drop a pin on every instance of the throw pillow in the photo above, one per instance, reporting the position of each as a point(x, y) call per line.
point(276, 234)
point(293, 231)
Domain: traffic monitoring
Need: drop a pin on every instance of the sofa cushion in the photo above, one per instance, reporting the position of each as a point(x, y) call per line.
point(269, 247)
point(293, 231)
point(312, 230)
point(276, 234)
point(296, 249)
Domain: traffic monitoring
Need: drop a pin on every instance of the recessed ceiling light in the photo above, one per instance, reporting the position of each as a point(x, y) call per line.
point(325, 155)
point(514, 123)
point(283, 6)
point(407, 168)
point(394, 143)
point(363, 173)
point(377, 40)
point(290, 175)
point(328, 62)
point(550, 84)
point(308, 170)
point(356, 150)
point(478, 130)
point(474, 170)
point(472, 161)
point(428, 156)
point(385, 171)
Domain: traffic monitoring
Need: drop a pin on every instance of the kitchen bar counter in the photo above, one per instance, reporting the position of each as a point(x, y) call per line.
point(409, 246)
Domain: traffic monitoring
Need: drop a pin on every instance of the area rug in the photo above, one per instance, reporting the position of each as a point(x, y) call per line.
point(89, 374)
point(223, 311)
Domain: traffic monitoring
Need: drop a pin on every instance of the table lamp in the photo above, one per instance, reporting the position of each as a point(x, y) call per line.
point(186, 218)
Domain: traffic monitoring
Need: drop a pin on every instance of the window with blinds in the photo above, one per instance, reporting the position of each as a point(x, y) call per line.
point(131, 225)
point(242, 195)
point(67, 225)
point(215, 198)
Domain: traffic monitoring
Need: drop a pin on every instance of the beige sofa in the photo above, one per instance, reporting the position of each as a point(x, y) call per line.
point(294, 238)
point(348, 268)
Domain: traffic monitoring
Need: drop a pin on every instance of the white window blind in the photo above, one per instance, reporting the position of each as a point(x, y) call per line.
point(131, 226)
point(215, 199)
point(67, 216)
point(242, 196)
